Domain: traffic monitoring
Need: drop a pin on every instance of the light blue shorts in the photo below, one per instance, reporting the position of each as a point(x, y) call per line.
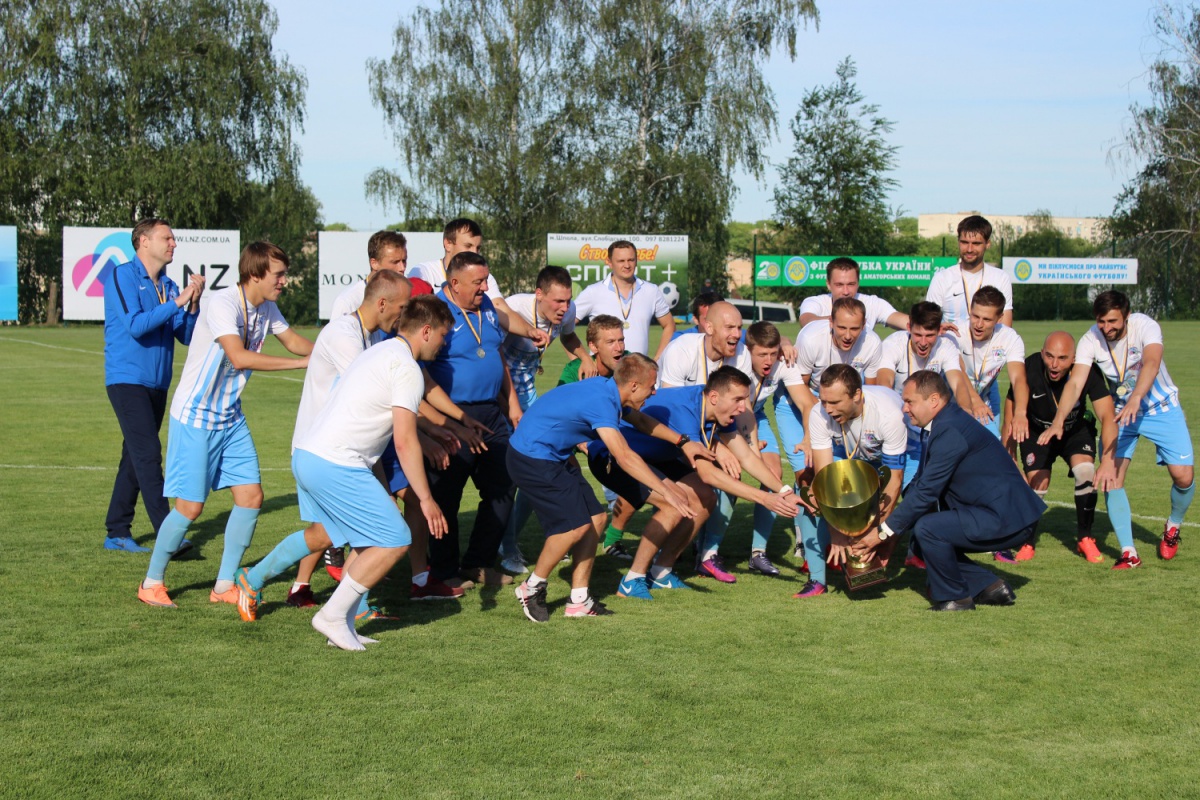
point(993, 402)
point(1167, 431)
point(791, 431)
point(765, 433)
point(200, 461)
point(349, 501)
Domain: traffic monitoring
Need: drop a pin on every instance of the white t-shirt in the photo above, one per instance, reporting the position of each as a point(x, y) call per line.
point(356, 423)
point(984, 360)
point(899, 357)
point(349, 299)
point(879, 431)
point(878, 309)
point(1140, 331)
point(338, 344)
point(816, 351)
point(209, 394)
point(780, 375)
point(646, 304)
point(685, 362)
point(952, 289)
point(434, 273)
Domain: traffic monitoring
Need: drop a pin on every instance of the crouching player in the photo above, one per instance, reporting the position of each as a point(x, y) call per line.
point(704, 413)
point(539, 461)
point(376, 399)
point(856, 421)
point(1047, 373)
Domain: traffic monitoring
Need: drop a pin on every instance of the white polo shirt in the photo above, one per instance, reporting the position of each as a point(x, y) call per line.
point(816, 351)
point(899, 357)
point(952, 289)
point(878, 309)
point(646, 303)
point(879, 431)
point(984, 360)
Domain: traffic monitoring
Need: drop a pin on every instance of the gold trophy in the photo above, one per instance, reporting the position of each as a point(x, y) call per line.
point(848, 494)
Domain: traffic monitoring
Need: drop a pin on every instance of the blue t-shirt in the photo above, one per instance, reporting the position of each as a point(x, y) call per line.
point(681, 409)
point(566, 416)
point(459, 369)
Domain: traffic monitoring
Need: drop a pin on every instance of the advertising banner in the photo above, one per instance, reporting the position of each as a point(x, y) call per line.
point(662, 260)
point(1035, 269)
point(797, 271)
point(8, 272)
point(90, 254)
point(342, 260)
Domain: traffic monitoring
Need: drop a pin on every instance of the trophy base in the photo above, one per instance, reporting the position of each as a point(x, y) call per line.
point(861, 575)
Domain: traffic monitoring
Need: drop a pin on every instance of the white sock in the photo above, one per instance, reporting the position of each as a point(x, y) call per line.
point(633, 576)
point(221, 587)
point(150, 582)
point(658, 572)
point(708, 553)
point(336, 632)
point(344, 600)
point(421, 578)
point(579, 595)
point(297, 586)
point(1131, 551)
point(533, 581)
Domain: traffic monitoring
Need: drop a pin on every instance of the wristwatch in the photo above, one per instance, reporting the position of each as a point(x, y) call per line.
point(885, 532)
point(683, 439)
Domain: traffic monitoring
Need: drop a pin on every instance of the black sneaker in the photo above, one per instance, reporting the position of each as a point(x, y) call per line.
point(533, 601)
point(618, 552)
point(335, 562)
point(762, 565)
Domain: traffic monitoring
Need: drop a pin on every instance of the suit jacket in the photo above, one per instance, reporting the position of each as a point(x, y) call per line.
point(966, 469)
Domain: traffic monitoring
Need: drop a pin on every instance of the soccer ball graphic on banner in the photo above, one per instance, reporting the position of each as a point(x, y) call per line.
point(670, 292)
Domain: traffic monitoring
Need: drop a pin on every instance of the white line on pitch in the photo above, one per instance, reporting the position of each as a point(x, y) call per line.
point(101, 352)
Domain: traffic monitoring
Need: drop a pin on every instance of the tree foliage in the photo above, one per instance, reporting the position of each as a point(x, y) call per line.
point(832, 196)
point(621, 115)
point(114, 110)
point(1157, 214)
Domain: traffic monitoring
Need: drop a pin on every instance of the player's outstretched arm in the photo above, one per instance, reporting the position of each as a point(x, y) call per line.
point(1151, 361)
point(408, 450)
point(633, 464)
point(241, 358)
point(1020, 390)
point(294, 343)
point(652, 427)
point(572, 344)
point(1072, 391)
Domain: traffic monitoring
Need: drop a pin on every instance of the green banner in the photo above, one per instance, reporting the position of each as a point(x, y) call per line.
point(797, 271)
point(662, 260)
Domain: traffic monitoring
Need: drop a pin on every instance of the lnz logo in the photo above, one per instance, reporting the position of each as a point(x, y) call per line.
point(90, 274)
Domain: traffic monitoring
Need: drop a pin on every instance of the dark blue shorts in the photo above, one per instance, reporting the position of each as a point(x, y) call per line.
point(558, 492)
point(631, 490)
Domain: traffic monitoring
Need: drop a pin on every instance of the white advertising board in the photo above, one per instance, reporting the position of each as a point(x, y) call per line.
point(342, 260)
point(1031, 269)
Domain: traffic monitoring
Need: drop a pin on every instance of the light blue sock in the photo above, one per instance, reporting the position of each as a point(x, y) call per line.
point(285, 554)
point(239, 531)
point(718, 522)
point(521, 511)
point(810, 531)
point(170, 534)
point(1120, 516)
point(764, 520)
point(1181, 499)
point(363, 605)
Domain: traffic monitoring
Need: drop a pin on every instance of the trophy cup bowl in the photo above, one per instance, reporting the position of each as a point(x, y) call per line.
point(848, 494)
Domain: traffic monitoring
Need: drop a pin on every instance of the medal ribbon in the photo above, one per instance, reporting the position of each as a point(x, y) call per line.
point(245, 318)
point(625, 312)
point(710, 439)
point(846, 432)
point(962, 275)
point(977, 374)
point(363, 329)
point(1124, 363)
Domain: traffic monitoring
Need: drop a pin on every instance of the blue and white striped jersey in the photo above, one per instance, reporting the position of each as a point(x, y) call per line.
point(210, 390)
point(1121, 363)
point(520, 353)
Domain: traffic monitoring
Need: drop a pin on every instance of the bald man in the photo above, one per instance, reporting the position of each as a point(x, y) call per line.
point(1047, 373)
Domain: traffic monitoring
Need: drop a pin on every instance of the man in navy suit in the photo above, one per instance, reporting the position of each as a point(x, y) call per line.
point(968, 497)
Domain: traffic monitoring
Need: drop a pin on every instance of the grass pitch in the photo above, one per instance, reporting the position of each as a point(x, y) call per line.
point(1086, 688)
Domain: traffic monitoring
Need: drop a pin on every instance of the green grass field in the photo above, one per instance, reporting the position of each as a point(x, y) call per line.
point(1086, 688)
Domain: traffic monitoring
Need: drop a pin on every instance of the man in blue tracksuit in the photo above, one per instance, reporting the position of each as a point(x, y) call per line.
point(144, 313)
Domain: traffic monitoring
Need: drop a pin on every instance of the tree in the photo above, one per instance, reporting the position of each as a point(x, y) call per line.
point(1157, 214)
point(683, 103)
point(111, 111)
point(832, 197)
point(481, 101)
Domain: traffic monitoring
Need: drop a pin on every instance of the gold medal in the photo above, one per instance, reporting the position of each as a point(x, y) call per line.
point(1122, 390)
point(540, 371)
point(481, 352)
point(625, 325)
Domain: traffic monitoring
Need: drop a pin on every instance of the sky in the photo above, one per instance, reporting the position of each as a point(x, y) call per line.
point(1001, 107)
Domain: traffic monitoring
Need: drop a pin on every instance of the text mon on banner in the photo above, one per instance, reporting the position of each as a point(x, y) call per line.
point(342, 260)
point(1035, 269)
point(91, 254)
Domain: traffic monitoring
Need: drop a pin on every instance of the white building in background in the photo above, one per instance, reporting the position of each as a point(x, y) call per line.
point(934, 225)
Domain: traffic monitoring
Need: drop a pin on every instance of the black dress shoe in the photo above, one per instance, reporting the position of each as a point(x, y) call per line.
point(966, 604)
point(998, 594)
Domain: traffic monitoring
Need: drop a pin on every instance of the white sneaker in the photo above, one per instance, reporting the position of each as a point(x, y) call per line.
point(514, 564)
